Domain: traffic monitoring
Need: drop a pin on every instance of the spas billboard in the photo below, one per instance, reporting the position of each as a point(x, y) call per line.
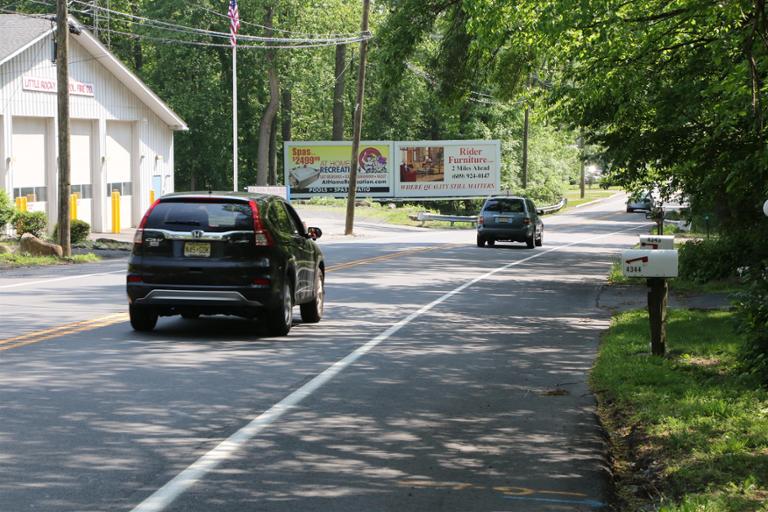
point(417, 169)
point(323, 168)
point(450, 168)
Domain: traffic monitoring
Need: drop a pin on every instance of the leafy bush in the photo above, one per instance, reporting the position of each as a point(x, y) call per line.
point(752, 307)
point(34, 223)
point(6, 209)
point(78, 231)
point(708, 260)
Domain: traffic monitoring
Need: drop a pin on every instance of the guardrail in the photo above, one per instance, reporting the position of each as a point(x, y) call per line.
point(553, 208)
point(472, 219)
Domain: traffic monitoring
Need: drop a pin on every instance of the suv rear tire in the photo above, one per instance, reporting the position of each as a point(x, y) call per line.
point(480, 241)
point(142, 319)
point(280, 317)
point(312, 312)
point(531, 241)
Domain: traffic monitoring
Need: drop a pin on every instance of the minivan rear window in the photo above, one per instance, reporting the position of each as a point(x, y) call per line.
point(505, 205)
point(206, 216)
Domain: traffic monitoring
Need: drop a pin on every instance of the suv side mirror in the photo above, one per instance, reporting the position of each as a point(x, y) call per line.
point(314, 233)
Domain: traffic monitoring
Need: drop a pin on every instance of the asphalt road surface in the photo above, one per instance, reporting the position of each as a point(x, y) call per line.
point(443, 377)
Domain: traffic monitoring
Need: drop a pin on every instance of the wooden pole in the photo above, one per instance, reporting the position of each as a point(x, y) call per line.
point(234, 118)
point(357, 122)
point(525, 149)
point(657, 314)
point(62, 94)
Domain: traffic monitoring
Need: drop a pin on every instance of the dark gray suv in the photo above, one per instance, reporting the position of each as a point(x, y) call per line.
point(225, 253)
point(509, 219)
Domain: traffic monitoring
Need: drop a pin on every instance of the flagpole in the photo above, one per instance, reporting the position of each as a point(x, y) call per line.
point(234, 117)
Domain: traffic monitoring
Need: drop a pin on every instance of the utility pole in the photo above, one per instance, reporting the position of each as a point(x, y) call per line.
point(357, 121)
point(62, 94)
point(525, 149)
point(583, 166)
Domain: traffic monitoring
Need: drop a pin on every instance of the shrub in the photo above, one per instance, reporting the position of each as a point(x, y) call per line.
point(752, 307)
point(6, 210)
point(34, 223)
point(78, 231)
point(708, 260)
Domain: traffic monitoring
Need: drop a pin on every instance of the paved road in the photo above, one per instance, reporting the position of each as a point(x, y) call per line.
point(443, 377)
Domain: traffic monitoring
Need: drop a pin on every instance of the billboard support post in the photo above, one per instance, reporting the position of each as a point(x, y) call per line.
point(358, 122)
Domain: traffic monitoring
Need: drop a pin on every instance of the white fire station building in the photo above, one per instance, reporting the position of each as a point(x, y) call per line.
point(121, 132)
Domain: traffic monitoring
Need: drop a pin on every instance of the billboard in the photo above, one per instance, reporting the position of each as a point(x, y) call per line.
point(416, 169)
point(452, 168)
point(322, 169)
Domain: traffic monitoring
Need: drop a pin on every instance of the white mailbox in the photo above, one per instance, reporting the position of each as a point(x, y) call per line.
point(649, 263)
point(665, 242)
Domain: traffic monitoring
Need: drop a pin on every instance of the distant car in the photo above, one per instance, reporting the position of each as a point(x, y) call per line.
point(225, 253)
point(642, 200)
point(509, 219)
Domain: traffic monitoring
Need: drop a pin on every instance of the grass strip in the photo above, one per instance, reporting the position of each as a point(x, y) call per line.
point(689, 432)
point(23, 260)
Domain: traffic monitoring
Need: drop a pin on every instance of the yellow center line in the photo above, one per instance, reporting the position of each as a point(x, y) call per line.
point(384, 257)
point(116, 318)
point(62, 330)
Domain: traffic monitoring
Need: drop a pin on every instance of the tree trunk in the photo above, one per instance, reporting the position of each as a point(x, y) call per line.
point(286, 115)
point(138, 58)
point(338, 93)
point(265, 128)
point(273, 152)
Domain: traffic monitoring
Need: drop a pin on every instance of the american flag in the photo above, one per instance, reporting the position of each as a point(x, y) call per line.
point(234, 21)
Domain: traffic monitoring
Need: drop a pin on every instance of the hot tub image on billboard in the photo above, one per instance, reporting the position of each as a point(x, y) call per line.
point(323, 168)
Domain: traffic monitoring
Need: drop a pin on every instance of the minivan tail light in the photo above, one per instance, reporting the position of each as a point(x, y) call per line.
point(138, 237)
point(261, 237)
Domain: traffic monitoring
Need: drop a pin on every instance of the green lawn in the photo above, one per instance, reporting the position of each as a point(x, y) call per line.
point(688, 430)
point(573, 194)
point(22, 260)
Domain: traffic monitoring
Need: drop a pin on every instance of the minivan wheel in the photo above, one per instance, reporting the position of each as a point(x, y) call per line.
point(540, 240)
point(530, 241)
point(281, 317)
point(142, 319)
point(491, 242)
point(480, 241)
point(312, 312)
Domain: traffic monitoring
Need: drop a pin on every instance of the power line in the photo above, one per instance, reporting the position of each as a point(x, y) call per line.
point(212, 33)
point(216, 13)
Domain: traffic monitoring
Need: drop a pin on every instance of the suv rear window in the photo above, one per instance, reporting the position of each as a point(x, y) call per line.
point(505, 205)
point(207, 216)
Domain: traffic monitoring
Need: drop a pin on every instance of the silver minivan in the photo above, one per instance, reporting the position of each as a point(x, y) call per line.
point(509, 219)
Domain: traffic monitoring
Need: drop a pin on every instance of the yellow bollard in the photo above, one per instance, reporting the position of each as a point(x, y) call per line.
point(151, 196)
point(115, 211)
point(73, 200)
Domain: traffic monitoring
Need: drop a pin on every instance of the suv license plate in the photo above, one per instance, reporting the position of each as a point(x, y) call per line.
point(197, 249)
point(502, 220)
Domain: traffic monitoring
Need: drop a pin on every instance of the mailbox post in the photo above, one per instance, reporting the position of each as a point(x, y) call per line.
point(656, 264)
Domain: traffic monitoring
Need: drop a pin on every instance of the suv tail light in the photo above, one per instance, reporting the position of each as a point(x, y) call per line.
point(138, 237)
point(261, 236)
point(526, 221)
point(480, 220)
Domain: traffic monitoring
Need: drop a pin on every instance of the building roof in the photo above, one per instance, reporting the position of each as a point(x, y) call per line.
point(19, 32)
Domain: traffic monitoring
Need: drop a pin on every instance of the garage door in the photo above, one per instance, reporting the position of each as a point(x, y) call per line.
point(28, 153)
point(81, 150)
point(119, 144)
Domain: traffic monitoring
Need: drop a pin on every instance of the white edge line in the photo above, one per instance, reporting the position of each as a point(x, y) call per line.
point(46, 281)
point(165, 495)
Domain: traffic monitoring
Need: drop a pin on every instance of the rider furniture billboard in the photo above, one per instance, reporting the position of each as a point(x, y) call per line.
point(415, 169)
